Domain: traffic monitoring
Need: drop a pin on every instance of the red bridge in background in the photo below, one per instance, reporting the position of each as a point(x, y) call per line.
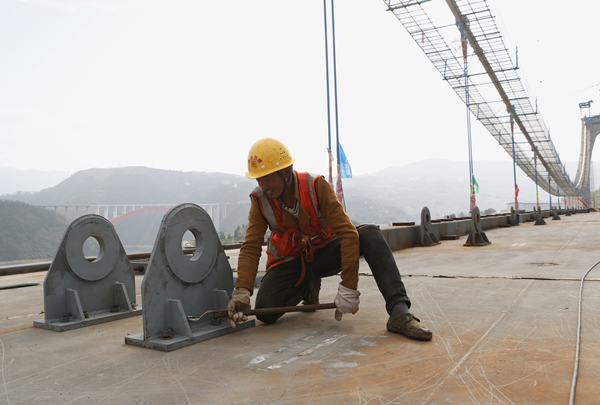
point(118, 212)
point(131, 213)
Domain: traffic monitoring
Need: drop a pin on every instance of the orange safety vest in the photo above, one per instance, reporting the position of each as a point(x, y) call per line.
point(287, 243)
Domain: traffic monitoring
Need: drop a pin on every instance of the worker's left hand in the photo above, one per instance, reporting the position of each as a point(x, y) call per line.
point(240, 301)
point(346, 301)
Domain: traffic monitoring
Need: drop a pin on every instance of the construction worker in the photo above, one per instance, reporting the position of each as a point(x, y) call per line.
point(311, 238)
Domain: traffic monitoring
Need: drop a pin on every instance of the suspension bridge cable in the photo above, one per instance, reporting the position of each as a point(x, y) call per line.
point(327, 73)
point(337, 132)
point(512, 133)
point(463, 40)
point(537, 193)
point(328, 98)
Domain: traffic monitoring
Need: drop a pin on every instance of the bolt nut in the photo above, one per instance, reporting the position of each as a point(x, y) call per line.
point(167, 333)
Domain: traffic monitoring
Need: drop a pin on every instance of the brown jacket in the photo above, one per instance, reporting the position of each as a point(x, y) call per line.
point(336, 219)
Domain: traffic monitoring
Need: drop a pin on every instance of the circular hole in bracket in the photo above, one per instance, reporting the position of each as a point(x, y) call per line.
point(192, 238)
point(93, 247)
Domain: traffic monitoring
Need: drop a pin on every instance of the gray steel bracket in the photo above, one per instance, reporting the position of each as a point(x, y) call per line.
point(555, 215)
point(428, 237)
point(79, 292)
point(539, 220)
point(476, 237)
point(514, 217)
point(176, 286)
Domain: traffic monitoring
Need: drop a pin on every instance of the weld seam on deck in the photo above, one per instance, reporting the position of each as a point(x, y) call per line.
point(16, 330)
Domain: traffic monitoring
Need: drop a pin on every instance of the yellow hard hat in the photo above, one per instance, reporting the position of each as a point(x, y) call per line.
point(267, 156)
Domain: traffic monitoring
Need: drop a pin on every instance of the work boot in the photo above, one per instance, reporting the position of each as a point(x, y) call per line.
point(410, 326)
point(313, 296)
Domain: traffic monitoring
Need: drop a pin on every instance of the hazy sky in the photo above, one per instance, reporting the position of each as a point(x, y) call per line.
point(191, 85)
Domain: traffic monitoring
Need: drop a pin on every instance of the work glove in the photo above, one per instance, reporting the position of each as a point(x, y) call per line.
point(346, 301)
point(240, 301)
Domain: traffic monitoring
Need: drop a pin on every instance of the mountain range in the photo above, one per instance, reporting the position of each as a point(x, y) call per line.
point(395, 194)
point(14, 181)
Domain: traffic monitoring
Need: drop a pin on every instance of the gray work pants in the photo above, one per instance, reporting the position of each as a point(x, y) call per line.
point(277, 288)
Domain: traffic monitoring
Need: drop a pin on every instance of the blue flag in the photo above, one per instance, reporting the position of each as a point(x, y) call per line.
point(345, 168)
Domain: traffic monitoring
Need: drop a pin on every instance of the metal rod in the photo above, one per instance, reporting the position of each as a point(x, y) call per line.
point(280, 310)
point(222, 313)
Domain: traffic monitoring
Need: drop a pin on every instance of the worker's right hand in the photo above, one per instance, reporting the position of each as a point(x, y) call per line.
point(240, 301)
point(346, 301)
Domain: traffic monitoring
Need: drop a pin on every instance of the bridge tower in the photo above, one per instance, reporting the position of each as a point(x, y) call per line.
point(590, 128)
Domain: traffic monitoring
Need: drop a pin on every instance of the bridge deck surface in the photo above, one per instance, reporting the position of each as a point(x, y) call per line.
point(497, 340)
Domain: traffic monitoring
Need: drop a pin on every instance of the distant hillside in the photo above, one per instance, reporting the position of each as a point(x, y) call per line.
point(143, 185)
point(443, 186)
point(363, 210)
point(15, 180)
point(391, 195)
point(435, 183)
point(28, 232)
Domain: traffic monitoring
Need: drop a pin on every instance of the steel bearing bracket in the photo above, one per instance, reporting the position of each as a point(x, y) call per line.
point(555, 215)
point(428, 237)
point(81, 292)
point(476, 237)
point(514, 217)
point(539, 220)
point(177, 286)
